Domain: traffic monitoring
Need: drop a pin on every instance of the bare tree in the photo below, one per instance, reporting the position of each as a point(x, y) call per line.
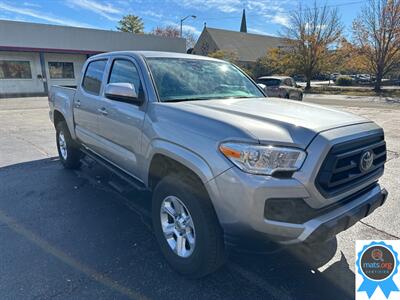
point(173, 31)
point(167, 31)
point(190, 37)
point(376, 31)
point(310, 35)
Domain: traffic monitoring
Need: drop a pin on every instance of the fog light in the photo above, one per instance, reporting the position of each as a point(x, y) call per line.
point(290, 210)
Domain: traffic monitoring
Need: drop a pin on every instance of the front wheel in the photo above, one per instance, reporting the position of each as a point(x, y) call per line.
point(186, 227)
point(68, 152)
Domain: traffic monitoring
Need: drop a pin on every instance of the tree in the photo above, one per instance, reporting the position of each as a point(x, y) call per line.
point(173, 31)
point(167, 31)
point(376, 31)
point(228, 55)
point(347, 59)
point(310, 35)
point(190, 38)
point(131, 23)
point(275, 61)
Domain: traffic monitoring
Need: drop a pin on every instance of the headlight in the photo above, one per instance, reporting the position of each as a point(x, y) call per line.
point(265, 160)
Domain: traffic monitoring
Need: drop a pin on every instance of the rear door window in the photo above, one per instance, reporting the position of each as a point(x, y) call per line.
point(93, 76)
point(270, 81)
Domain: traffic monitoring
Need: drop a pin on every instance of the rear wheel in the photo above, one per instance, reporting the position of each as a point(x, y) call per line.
point(186, 227)
point(68, 151)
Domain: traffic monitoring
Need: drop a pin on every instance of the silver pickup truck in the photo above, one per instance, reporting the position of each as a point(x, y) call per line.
point(225, 164)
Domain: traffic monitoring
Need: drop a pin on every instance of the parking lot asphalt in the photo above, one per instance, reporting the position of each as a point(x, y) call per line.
point(79, 235)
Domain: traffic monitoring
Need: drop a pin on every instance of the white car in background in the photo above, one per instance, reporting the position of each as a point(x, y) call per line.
point(281, 87)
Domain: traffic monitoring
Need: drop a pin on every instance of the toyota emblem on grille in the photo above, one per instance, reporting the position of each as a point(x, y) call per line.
point(367, 158)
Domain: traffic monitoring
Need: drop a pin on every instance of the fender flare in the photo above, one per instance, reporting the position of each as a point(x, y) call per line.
point(65, 109)
point(182, 155)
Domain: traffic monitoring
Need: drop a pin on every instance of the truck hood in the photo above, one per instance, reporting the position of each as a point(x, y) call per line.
point(273, 119)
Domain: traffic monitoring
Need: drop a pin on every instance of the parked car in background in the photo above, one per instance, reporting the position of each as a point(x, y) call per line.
point(321, 77)
point(334, 76)
point(281, 87)
point(363, 78)
point(299, 77)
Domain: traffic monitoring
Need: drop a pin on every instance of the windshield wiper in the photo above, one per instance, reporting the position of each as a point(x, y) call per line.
point(174, 100)
point(184, 99)
point(208, 98)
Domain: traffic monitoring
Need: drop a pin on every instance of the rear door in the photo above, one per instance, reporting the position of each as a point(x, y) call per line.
point(122, 121)
point(87, 104)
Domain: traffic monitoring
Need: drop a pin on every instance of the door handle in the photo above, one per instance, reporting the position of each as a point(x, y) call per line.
point(77, 103)
point(103, 111)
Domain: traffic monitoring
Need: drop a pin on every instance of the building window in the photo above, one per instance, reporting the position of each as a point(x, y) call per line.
point(61, 70)
point(15, 69)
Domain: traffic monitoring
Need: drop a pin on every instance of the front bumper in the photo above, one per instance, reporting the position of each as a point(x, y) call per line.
point(330, 226)
point(239, 200)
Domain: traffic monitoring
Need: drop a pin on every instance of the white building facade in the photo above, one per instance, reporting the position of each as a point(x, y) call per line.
point(35, 56)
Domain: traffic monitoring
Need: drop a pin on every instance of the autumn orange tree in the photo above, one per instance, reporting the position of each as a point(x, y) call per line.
point(225, 54)
point(376, 32)
point(276, 61)
point(310, 36)
point(347, 59)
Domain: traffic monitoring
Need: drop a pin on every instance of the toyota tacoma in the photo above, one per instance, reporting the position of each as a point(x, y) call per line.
point(224, 163)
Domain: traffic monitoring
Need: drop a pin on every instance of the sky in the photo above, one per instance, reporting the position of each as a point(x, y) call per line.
point(263, 16)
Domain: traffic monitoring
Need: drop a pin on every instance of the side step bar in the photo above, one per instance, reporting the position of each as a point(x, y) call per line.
point(114, 169)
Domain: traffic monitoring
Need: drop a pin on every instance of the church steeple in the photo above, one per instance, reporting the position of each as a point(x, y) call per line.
point(243, 25)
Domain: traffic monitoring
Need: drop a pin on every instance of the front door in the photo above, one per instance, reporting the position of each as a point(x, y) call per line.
point(121, 123)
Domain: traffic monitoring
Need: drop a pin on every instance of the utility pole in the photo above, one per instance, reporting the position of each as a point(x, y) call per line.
point(183, 19)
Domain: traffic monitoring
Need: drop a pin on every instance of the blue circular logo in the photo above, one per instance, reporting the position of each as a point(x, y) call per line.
point(377, 263)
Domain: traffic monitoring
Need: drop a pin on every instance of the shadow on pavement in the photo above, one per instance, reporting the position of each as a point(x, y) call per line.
point(70, 235)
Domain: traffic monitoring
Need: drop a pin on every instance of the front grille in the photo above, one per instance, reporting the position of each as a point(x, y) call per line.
point(341, 169)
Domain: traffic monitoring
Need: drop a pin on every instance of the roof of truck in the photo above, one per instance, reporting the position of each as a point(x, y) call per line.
point(150, 54)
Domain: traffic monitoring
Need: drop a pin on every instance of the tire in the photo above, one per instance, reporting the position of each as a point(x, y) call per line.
point(208, 252)
point(68, 151)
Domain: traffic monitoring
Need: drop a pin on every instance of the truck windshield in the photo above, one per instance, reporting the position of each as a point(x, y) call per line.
point(178, 79)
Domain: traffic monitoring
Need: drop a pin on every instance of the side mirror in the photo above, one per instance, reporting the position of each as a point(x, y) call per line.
point(262, 86)
point(124, 92)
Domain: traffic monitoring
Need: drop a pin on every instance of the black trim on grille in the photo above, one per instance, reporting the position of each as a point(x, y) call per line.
point(340, 170)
